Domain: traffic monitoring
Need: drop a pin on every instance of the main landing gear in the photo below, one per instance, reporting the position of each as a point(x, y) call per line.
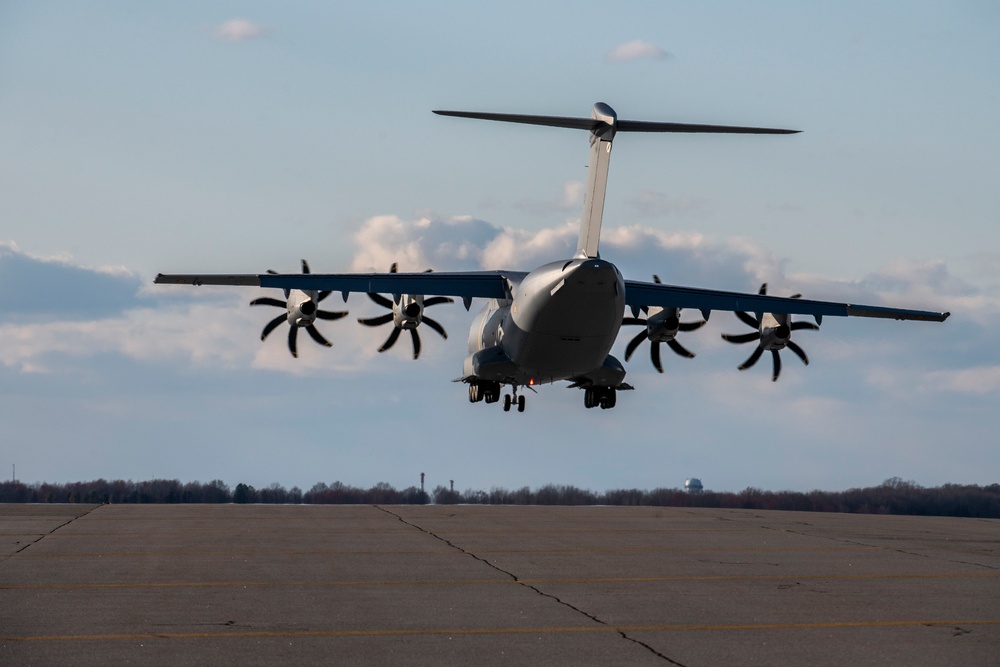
point(605, 397)
point(490, 392)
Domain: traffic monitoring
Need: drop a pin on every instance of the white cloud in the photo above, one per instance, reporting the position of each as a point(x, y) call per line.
point(979, 381)
point(637, 49)
point(426, 243)
point(238, 30)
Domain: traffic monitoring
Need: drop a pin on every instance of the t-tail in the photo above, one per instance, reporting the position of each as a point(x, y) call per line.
point(603, 125)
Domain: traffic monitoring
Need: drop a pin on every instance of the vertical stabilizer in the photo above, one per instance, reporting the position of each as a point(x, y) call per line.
point(601, 136)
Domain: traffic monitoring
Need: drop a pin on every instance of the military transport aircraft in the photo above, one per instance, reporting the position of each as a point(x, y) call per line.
point(559, 321)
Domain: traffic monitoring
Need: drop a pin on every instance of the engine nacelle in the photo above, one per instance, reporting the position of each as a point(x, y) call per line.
point(408, 311)
point(662, 324)
point(302, 307)
point(774, 331)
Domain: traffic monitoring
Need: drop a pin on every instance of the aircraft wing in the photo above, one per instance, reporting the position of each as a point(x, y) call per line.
point(466, 285)
point(639, 294)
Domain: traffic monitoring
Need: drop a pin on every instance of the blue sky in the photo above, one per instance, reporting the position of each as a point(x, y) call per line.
point(236, 137)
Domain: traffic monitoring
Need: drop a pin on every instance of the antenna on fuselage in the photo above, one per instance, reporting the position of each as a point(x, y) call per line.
point(603, 125)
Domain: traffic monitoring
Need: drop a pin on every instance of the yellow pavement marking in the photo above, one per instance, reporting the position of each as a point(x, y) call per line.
point(490, 582)
point(439, 552)
point(501, 631)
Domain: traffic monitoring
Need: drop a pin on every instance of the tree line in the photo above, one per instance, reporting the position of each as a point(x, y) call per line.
point(894, 496)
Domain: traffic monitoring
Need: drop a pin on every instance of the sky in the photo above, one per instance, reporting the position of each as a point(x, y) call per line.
point(138, 138)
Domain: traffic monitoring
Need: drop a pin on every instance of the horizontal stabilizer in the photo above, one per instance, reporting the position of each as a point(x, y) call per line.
point(620, 126)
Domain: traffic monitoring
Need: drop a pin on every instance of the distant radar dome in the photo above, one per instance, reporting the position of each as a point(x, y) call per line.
point(693, 485)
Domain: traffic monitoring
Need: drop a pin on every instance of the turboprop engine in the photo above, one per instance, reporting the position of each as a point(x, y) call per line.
point(773, 333)
point(662, 326)
point(301, 311)
point(407, 314)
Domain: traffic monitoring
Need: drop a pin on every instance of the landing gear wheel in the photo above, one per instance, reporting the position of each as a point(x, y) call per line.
point(605, 397)
point(506, 403)
point(520, 403)
point(610, 399)
point(490, 391)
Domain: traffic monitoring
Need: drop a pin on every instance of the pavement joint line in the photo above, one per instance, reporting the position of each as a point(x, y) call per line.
point(291, 634)
point(537, 591)
point(513, 580)
point(42, 536)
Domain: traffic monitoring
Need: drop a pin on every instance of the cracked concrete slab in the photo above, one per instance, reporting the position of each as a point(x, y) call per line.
point(253, 584)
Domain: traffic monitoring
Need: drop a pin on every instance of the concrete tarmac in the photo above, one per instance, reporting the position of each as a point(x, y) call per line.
point(483, 585)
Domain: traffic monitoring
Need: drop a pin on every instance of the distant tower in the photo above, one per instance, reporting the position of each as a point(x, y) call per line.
point(693, 485)
point(421, 482)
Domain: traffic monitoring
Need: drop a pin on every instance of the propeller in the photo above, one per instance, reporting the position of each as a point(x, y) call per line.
point(771, 338)
point(664, 325)
point(407, 313)
point(301, 312)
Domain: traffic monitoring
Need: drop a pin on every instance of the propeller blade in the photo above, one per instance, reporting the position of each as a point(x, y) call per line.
point(330, 315)
point(796, 326)
point(654, 355)
point(741, 338)
point(322, 295)
point(748, 319)
point(268, 301)
point(272, 325)
point(273, 272)
point(752, 359)
point(680, 349)
point(634, 343)
point(380, 300)
point(799, 352)
point(434, 324)
point(763, 289)
point(633, 320)
point(317, 336)
point(416, 342)
point(394, 268)
point(435, 300)
point(305, 266)
point(391, 340)
point(656, 279)
point(293, 334)
point(776, 358)
point(376, 321)
point(692, 326)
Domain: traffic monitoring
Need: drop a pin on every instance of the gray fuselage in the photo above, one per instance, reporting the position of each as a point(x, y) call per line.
point(560, 323)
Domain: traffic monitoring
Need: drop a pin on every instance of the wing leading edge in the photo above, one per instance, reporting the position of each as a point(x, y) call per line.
point(465, 285)
point(639, 294)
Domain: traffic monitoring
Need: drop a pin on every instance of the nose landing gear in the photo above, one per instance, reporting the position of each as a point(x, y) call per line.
point(489, 392)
